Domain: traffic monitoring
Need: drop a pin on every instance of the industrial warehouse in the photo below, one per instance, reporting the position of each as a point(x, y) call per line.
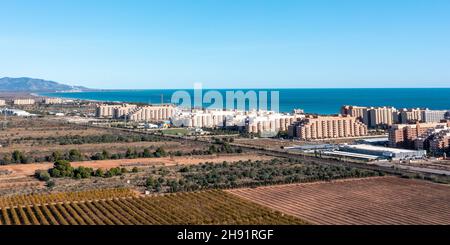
point(383, 152)
point(365, 152)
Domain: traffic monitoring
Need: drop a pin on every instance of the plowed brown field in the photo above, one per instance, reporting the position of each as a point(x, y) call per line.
point(380, 200)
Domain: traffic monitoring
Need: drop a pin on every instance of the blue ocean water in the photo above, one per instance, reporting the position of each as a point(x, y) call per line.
point(321, 101)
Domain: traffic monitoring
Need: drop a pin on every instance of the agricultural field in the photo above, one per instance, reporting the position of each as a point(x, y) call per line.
point(379, 200)
point(34, 199)
point(207, 207)
point(182, 174)
point(43, 139)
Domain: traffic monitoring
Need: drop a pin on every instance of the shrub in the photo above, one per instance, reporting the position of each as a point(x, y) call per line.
point(83, 172)
point(50, 184)
point(61, 168)
point(99, 173)
point(42, 175)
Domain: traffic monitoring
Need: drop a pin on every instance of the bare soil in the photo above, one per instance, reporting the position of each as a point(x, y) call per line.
point(379, 201)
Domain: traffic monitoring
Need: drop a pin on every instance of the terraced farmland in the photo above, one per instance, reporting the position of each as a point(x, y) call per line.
point(380, 200)
point(207, 207)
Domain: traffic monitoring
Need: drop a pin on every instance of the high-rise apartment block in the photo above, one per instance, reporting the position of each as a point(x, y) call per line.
point(433, 115)
point(24, 102)
point(114, 111)
point(53, 101)
point(360, 112)
point(272, 123)
point(373, 117)
point(327, 127)
point(382, 116)
point(136, 113)
point(376, 117)
point(151, 113)
point(411, 115)
point(2, 102)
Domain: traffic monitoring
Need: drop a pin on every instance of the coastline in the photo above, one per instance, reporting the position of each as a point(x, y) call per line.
point(316, 101)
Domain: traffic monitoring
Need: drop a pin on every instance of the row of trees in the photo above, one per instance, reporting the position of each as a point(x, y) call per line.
point(86, 139)
point(63, 168)
point(75, 155)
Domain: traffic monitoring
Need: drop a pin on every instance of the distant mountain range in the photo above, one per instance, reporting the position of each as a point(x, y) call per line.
point(26, 84)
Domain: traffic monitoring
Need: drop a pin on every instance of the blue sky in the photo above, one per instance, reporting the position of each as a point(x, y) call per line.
point(228, 43)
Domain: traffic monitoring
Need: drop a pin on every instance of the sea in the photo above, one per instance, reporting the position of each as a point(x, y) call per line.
point(318, 101)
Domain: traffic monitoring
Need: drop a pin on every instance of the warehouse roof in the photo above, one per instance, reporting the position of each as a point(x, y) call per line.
point(351, 154)
point(378, 148)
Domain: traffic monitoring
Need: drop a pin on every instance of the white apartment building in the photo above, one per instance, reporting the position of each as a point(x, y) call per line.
point(24, 102)
point(382, 116)
point(114, 111)
point(53, 101)
point(372, 116)
point(252, 121)
point(272, 123)
point(2, 102)
point(433, 115)
point(151, 113)
point(136, 113)
point(411, 115)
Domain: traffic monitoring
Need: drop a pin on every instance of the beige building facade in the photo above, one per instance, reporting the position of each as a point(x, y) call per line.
point(24, 102)
point(327, 127)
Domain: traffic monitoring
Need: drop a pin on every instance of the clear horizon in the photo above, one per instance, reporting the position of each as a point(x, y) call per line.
point(228, 44)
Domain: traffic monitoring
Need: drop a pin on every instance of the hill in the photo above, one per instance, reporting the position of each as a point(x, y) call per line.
point(26, 84)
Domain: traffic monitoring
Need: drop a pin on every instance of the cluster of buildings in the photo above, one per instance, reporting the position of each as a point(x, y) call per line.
point(417, 129)
point(433, 137)
point(383, 117)
point(255, 122)
point(31, 101)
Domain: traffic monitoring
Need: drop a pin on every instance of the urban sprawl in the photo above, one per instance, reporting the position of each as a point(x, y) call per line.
point(410, 133)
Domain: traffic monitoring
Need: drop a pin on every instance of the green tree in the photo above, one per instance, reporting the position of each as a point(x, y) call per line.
point(99, 173)
point(106, 154)
point(150, 183)
point(62, 168)
point(83, 172)
point(57, 155)
point(17, 156)
point(42, 175)
point(75, 155)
